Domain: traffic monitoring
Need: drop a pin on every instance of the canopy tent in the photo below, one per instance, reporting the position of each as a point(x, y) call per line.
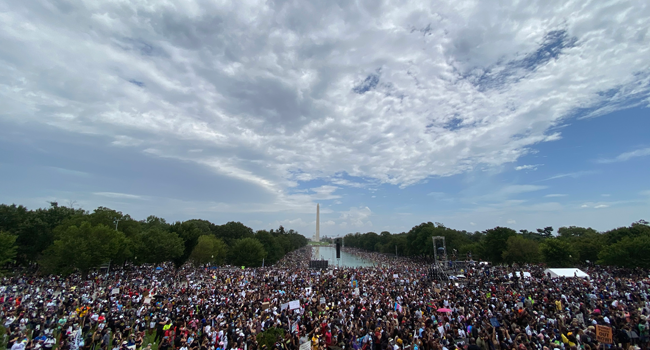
point(572, 272)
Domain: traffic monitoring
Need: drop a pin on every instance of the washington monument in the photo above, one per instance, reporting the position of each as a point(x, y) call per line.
point(317, 236)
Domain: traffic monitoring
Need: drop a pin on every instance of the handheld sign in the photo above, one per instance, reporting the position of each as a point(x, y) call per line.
point(294, 304)
point(604, 334)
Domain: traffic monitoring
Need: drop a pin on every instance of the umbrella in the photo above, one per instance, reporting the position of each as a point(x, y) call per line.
point(443, 309)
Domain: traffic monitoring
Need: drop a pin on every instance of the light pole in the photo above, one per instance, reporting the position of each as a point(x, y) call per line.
point(116, 222)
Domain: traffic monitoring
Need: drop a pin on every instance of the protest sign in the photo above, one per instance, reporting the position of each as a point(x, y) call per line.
point(604, 334)
point(494, 322)
point(322, 300)
point(294, 304)
point(115, 291)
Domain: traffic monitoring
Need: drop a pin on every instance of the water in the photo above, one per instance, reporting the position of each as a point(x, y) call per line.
point(329, 254)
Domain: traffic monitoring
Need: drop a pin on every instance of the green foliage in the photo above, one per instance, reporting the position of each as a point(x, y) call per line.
point(232, 231)
point(272, 246)
point(559, 253)
point(575, 232)
point(628, 252)
point(34, 230)
point(83, 248)
point(521, 251)
point(189, 231)
point(247, 252)
point(496, 242)
point(209, 249)
point(269, 337)
point(156, 245)
point(48, 235)
point(8, 248)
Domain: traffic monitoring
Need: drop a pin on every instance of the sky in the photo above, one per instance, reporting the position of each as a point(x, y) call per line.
point(474, 114)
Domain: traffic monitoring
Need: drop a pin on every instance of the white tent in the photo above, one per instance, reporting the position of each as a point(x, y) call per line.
point(572, 272)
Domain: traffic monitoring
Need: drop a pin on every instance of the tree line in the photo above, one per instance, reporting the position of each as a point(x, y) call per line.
point(571, 246)
point(63, 240)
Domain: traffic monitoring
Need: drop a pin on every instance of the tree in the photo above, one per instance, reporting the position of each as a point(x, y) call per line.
point(209, 249)
point(496, 242)
point(546, 232)
point(83, 248)
point(7, 248)
point(559, 253)
point(628, 252)
point(232, 231)
point(156, 246)
point(36, 229)
point(247, 252)
point(189, 231)
point(274, 250)
point(575, 231)
point(521, 251)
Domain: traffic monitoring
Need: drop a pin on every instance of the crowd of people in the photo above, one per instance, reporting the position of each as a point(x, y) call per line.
point(393, 305)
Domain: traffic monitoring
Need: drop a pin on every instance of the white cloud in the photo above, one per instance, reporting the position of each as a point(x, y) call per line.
point(642, 152)
point(436, 194)
point(527, 167)
point(573, 175)
point(324, 192)
point(511, 222)
point(278, 94)
point(348, 183)
point(126, 141)
point(118, 195)
point(552, 195)
point(599, 206)
point(506, 192)
point(356, 217)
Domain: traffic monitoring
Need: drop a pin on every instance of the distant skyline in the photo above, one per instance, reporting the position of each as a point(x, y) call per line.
point(388, 114)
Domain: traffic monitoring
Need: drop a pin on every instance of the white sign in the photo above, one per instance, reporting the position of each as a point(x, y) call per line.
point(284, 306)
point(395, 275)
point(115, 291)
point(322, 300)
point(305, 346)
point(294, 304)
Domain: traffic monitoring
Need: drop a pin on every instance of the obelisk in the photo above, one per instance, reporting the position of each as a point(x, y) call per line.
point(317, 238)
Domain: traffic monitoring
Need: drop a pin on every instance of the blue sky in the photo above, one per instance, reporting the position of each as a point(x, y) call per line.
point(527, 114)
